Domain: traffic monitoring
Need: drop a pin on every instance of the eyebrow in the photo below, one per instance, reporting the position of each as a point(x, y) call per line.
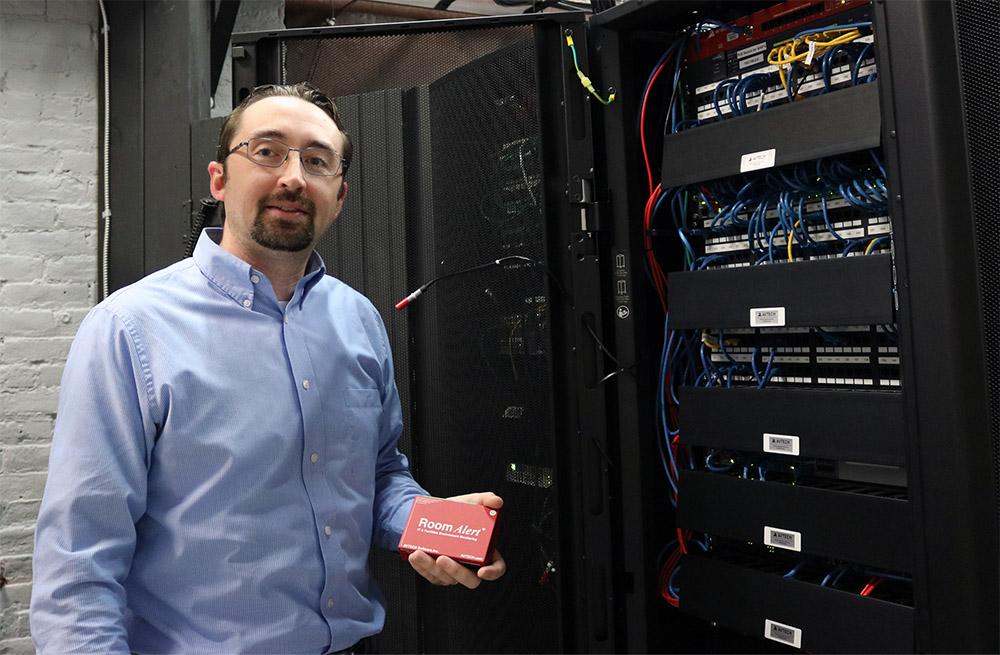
point(278, 134)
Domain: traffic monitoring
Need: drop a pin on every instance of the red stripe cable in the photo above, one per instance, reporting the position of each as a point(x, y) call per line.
point(712, 200)
point(659, 279)
point(682, 542)
point(870, 587)
point(642, 122)
point(665, 571)
point(673, 464)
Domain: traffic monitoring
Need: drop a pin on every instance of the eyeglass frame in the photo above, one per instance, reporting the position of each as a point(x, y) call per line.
point(344, 163)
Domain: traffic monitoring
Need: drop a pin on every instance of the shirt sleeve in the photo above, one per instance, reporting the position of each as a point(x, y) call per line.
point(395, 487)
point(94, 494)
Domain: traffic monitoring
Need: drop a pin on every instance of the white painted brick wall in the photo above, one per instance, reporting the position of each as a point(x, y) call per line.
point(48, 255)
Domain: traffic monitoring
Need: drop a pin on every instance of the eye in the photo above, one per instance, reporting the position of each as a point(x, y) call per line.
point(267, 150)
point(319, 162)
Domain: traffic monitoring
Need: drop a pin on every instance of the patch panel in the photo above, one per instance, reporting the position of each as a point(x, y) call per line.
point(712, 104)
point(733, 69)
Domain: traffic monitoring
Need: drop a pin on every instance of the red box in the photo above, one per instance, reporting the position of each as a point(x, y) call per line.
point(462, 531)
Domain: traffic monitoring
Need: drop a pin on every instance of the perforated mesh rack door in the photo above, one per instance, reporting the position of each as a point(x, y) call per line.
point(977, 24)
point(448, 173)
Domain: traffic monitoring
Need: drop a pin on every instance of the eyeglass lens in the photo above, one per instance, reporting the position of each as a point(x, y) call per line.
point(271, 153)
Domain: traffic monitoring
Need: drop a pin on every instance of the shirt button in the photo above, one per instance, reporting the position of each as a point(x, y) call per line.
point(247, 302)
point(329, 601)
point(328, 530)
point(255, 279)
point(314, 458)
point(305, 384)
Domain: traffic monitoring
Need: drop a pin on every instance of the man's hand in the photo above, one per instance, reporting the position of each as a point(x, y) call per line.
point(444, 571)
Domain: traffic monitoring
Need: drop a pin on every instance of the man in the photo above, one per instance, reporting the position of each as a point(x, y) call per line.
point(225, 447)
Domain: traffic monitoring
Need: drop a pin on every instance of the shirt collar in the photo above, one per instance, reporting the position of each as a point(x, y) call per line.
point(233, 275)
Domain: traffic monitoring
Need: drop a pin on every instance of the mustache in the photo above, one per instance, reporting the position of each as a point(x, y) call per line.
point(296, 198)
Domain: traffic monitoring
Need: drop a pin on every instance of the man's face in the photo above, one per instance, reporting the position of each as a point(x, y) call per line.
point(284, 208)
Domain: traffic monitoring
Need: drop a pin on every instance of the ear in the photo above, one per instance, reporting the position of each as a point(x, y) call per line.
point(217, 181)
point(340, 200)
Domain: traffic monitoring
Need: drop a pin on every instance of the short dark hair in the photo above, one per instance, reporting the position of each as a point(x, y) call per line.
point(303, 90)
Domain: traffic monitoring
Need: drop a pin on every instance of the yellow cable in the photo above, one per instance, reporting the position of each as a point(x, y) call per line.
point(584, 80)
point(713, 343)
point(797, 223)
point(870, 246)
point(785, 54)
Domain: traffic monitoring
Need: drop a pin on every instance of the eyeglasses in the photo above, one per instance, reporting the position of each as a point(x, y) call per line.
point(273, 153)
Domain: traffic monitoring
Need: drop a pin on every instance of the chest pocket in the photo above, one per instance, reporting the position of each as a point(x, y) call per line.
point(355, 434)
point(362, 398)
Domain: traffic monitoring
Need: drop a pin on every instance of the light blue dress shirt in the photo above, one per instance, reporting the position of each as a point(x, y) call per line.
point(220, 468)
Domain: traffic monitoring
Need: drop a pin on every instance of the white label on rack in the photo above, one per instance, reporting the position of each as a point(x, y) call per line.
point(811, 54)
point(778, 538)
point(751, 50)
point(786, 634)
point(754, 161)
point(706, 87)
point(767, 317)
point(781, 444)
point(751, 61)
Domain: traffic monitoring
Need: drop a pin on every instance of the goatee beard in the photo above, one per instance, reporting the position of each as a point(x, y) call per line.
point(279, 234)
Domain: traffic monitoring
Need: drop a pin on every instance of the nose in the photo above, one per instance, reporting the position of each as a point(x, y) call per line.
point(292, 175)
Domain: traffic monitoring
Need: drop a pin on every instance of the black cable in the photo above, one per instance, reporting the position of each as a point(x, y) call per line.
point(621, 369)
point(208, 207)
point(497, 262)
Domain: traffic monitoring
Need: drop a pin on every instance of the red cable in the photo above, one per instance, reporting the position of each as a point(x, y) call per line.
point(870, 587)
point(656, 272)
point(664, 578)
point(660, 283)
point(642, 122)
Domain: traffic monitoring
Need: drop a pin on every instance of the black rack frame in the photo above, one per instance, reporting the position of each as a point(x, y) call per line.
point(944, 424)
point(859, 426)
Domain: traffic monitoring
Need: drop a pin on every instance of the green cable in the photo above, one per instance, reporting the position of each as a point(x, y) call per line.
point(584, 80)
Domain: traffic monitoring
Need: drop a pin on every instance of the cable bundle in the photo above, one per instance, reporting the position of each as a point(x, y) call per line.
point(823, 48)
point(773, 208)
point(816, 43)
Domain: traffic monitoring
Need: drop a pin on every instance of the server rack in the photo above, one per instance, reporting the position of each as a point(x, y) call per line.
point(928, 99)
point(479, 90)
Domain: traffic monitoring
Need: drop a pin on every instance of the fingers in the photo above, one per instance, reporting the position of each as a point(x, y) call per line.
point(442, 571)
point(457, 572)
point(487, 498)
point(493, 570)
point(424, 564)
